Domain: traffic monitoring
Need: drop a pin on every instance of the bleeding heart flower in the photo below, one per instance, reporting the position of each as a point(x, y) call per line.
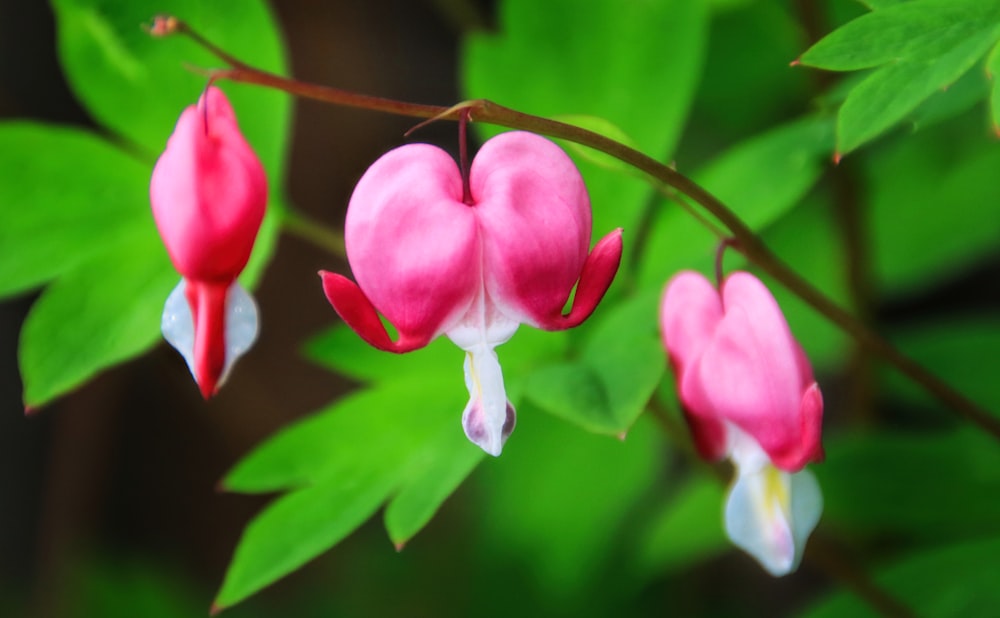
point(748, 393)
point(209, 193)
point(434, 261)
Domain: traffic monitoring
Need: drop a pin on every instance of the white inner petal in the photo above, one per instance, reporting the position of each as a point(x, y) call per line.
point(770, 514)
point(177, 325)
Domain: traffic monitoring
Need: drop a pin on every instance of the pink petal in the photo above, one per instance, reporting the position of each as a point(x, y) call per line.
point(689, 314)
point(357, 312)
point(208, 311)
point(413, 245)
point(534, 213)
point(598, 272)
point(750, 371)
point(208, 192)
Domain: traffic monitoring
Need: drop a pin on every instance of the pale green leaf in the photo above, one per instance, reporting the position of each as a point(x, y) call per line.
point(993, 70)
point(95, 315)
point(916, 31)
point(298, 527)
point(890, 93)
point(67, 195)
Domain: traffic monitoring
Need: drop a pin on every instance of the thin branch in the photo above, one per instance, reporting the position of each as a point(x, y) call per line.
point(300, 225)
point(748, 242)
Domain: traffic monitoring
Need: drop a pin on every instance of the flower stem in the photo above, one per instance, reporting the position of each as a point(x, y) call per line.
point(298, 224)
point(747, 242)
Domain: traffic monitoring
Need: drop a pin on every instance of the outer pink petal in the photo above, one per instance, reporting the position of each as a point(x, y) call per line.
point(357, 312)
point(412, 244)
point(598, 272)
point(750, 372)
point(690, 311)
point(535, 215)
point(208, 192)
point(689, 314)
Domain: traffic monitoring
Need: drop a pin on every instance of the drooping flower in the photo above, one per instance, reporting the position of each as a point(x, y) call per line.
point(434, 261)
point(209, 192)
point(748, 392)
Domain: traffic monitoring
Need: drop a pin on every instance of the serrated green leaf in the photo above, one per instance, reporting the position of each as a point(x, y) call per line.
point(136, 84)
point(432, 477)
point(760, 180)
point(574, 392)
point(890, 93)
point(685, 530)
point(400, 442)
point(97, 314)
point(552, 59)
point(377, 427)
point(934, 485)
point(920, 30)
point(298, 527)
point(953, 580)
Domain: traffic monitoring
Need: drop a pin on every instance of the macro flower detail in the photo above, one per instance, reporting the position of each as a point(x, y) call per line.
point(472, 257)
point(208, 193)
point(748, 392)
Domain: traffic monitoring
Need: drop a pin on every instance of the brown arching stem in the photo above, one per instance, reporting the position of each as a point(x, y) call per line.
point(746, 241)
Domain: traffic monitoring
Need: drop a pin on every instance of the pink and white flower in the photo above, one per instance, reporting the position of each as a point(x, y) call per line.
point(209, 192)
point(748, 393)
point(435, 262)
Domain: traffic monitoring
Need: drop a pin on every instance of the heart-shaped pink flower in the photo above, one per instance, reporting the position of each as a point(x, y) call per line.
point(434, 264)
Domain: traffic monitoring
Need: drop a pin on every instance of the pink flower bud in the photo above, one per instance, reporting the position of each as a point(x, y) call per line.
point(208, 192)
point(748, 393)
point(433, 264)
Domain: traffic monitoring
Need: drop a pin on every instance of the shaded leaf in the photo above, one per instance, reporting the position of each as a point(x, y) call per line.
point(687, 528)
point(552, 59)
point(954, 580)
point(934, 485)
point(608, 386)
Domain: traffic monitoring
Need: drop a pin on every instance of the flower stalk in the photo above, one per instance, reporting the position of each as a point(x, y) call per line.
point(746, 241)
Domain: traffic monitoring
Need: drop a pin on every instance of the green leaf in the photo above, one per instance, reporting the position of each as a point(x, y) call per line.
point(952, 349)
point(760, 180)
point(920, 30)
point(920, 46)
point(934, 205)
point(892, 92)
point(298, 527)
point(137, 85)
point(954, 580)
point(686, 529)
point(67, 196)
point(97, 314)
point(932, 486)
point(993, 70)
point(608, 386)
point(400, 442)
point(552, 59)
